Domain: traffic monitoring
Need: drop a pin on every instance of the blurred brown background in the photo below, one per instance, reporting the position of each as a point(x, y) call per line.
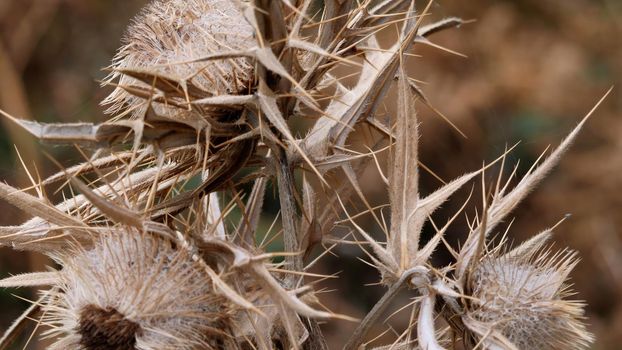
point(534, 68)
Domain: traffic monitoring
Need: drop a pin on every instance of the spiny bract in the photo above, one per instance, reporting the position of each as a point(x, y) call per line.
point(130, 291)
point(171, 38)
point(522, 295)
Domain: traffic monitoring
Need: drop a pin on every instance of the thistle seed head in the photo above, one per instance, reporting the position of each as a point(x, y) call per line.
point(132, 291)
point(106, 329)
point(522, 297)
point(164, 40)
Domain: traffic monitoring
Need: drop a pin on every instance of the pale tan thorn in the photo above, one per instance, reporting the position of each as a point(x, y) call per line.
point(39, 182)
point(110, 186)
point(481, 239)
point(366, 344)
point(302, 273)
point(35, 185)
point(154, 186)
point(320, 256)
point(431, 172)
point(229, 207)
point(38, 322)
point(424, 254)
point(500, 176)
point(95, 161)
point(19, 323)
point(428, 42)
point(337, 159)
point(536, 241)
point(271, 111)
point(262, 275)
point(378, 27)
point(307, 46)
point(351, 176)
point(402, 308)
point(366, 211)
point(377, 49)
point(263, 244)
point(385, 227)
point(364, 38)
point(375, 263)
point(210, 57)
point(12, 118)
point(266, 57)
point(430, 203)
point(382, 254)
point(434, 109)
point(300, 15)
point(315, 24)
point(378, 167)
point(229, 292)
point(471, 242)
point(507, 183)
point(384, 130)
point(537, 161)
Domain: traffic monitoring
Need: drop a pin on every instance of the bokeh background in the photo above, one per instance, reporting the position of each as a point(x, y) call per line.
point(534, 68)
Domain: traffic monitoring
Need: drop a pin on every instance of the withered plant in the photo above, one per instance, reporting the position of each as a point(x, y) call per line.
point(159, 246)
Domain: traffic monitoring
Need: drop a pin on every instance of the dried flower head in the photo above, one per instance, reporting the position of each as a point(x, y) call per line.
point(522, 295)
point(133, 291)
point(169, 38)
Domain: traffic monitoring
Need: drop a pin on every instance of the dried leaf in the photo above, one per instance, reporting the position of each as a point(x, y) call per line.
point(37, 207)
point(404, 178)
point(31, 279)
point(168, 85)
point(503, 204)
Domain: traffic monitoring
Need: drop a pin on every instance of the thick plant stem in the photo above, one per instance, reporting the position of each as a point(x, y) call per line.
point(358, 337)
point(316, 338)
point(291, 239)
point(287, 198)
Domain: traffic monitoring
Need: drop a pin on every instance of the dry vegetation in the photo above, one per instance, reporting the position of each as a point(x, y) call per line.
point(163, 229)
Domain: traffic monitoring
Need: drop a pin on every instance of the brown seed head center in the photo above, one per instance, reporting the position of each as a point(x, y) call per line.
point(102, 329)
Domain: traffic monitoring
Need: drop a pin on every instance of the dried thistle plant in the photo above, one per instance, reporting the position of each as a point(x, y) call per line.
point(205, 91)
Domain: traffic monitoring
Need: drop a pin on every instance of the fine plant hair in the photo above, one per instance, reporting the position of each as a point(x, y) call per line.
point(159, 246)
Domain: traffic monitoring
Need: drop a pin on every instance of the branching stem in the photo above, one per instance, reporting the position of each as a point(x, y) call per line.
point(357, 338)
point(287, 198)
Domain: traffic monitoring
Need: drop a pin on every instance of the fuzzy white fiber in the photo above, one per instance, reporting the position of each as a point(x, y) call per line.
point(523, 298)
point(170, 32)
point(146, 281)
